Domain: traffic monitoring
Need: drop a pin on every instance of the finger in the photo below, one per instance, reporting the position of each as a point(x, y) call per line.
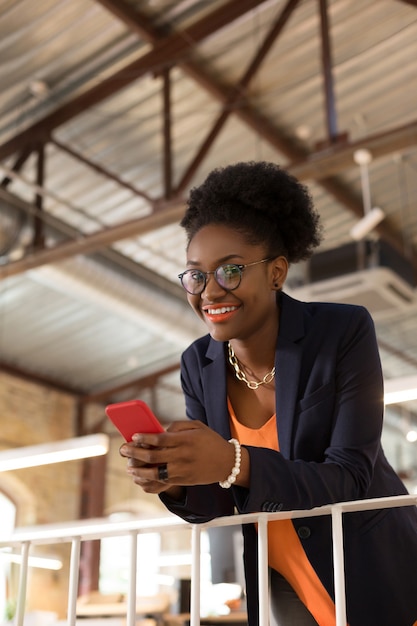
point(150, 474)
point(150, 486)
point(185, 425)
point(165, 439)
point(133, 450)
point(131, 462)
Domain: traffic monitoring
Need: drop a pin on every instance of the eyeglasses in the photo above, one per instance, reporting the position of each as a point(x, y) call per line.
point(228, 276)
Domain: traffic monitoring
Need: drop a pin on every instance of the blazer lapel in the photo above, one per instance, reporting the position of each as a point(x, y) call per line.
point(287, 363)
point(214, 379)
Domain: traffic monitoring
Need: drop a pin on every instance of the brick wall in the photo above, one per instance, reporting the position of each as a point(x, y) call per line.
point(32, 414)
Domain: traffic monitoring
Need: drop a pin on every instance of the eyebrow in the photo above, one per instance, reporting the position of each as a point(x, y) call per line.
point(225, 259)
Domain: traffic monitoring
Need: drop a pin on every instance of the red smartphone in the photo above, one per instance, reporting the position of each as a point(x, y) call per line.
point(133, 417)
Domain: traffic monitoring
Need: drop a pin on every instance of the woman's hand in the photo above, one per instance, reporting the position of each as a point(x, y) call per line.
point(193, 453)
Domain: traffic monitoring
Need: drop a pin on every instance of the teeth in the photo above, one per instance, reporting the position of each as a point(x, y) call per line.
point(223, 309)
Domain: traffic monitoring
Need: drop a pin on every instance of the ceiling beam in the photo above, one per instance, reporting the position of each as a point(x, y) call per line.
point(144, 382)
point(320, 166)
point(101, 170)
point(165, 52)
point(43, 381)
point(96, 241)
point(334, 159)
point(236, 94)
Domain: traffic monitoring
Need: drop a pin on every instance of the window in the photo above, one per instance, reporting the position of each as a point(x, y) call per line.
point(114, 564)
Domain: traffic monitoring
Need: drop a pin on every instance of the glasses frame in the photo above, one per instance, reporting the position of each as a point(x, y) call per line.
point(240, 267)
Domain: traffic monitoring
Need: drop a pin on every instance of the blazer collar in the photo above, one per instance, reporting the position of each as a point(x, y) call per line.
point(287, 365)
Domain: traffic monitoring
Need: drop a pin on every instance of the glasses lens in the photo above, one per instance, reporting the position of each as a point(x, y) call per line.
point(193, 281)
point(228, 276)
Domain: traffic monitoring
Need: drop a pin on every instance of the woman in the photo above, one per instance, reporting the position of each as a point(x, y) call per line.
point(286, 403)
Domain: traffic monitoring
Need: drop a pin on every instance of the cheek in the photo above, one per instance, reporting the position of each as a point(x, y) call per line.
point(194, 302)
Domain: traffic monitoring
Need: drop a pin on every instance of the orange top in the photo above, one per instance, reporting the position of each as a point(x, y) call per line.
point(285, 552)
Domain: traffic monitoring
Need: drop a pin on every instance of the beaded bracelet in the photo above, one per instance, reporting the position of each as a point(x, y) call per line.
point(236, 469)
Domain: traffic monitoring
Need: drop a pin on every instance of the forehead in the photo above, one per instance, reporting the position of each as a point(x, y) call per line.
point(217, 242)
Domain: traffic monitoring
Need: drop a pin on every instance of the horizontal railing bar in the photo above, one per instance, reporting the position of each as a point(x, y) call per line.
point(82, 530)
point(102, 527)
point(88, 529)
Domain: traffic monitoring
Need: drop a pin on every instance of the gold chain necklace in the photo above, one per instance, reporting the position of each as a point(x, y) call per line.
point(240, 374)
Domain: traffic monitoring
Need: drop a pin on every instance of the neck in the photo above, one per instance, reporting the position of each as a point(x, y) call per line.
point(257, 352)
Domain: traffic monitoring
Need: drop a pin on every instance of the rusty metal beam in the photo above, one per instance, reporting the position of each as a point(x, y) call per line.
point(237, 92)
point(326, 57)
point(101, 170)
point(39, 224)
point(318, 166)
point(335, 159)
point(42, 381)
point(165, 52)
point(144, 382)
point(167, 132)
point(91, 243)
point(254, 119)
point(19, 163)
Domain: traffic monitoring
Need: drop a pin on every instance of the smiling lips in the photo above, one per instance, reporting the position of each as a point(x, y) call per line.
point(219, 313)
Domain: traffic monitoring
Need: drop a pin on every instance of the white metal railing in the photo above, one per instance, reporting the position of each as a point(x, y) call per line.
point(79, 531)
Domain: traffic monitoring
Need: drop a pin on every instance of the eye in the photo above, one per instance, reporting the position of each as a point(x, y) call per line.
point(229, 272)
point(195, 276)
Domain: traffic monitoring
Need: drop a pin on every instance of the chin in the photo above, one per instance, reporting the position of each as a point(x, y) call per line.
point(219, 334)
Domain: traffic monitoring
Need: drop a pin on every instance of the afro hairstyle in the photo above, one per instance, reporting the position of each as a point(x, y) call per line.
point(263, 202)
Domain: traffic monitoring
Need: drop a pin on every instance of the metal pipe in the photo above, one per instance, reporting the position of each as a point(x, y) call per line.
point(263, 571)
point(73, 581)
point(339, 566)
point(23, 577)
point(131, 593)
point(195, 575)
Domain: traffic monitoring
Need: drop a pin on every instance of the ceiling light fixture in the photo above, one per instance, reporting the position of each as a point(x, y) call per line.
point(400, 389)
point(34, 561)
point(411, 436)
point(372, 215)
point(54, 452)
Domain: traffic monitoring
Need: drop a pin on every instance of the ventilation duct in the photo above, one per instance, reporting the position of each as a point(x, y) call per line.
point(368, 273)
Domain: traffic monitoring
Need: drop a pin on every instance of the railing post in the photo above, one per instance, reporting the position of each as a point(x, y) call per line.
point(263, 571)
point(131, 593)
point(339, 566)
point(195, 575)
point(73, 580)
point(21, 595)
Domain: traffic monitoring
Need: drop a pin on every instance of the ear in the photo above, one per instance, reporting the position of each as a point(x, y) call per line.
point(279, 271)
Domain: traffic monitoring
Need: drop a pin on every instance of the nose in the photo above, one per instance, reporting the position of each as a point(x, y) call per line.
point(212, 288)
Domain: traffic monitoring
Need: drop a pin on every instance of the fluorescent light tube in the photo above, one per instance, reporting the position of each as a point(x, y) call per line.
point(400, 389)
point(54, 452)
point(33, 561)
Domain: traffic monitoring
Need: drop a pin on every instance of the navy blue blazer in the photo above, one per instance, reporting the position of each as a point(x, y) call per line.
point(329, 410)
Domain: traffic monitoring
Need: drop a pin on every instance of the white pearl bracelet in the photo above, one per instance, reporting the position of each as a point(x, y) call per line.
point(236, 469)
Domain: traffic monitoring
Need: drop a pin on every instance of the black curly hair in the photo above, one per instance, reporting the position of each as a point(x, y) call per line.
point(262, 201)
